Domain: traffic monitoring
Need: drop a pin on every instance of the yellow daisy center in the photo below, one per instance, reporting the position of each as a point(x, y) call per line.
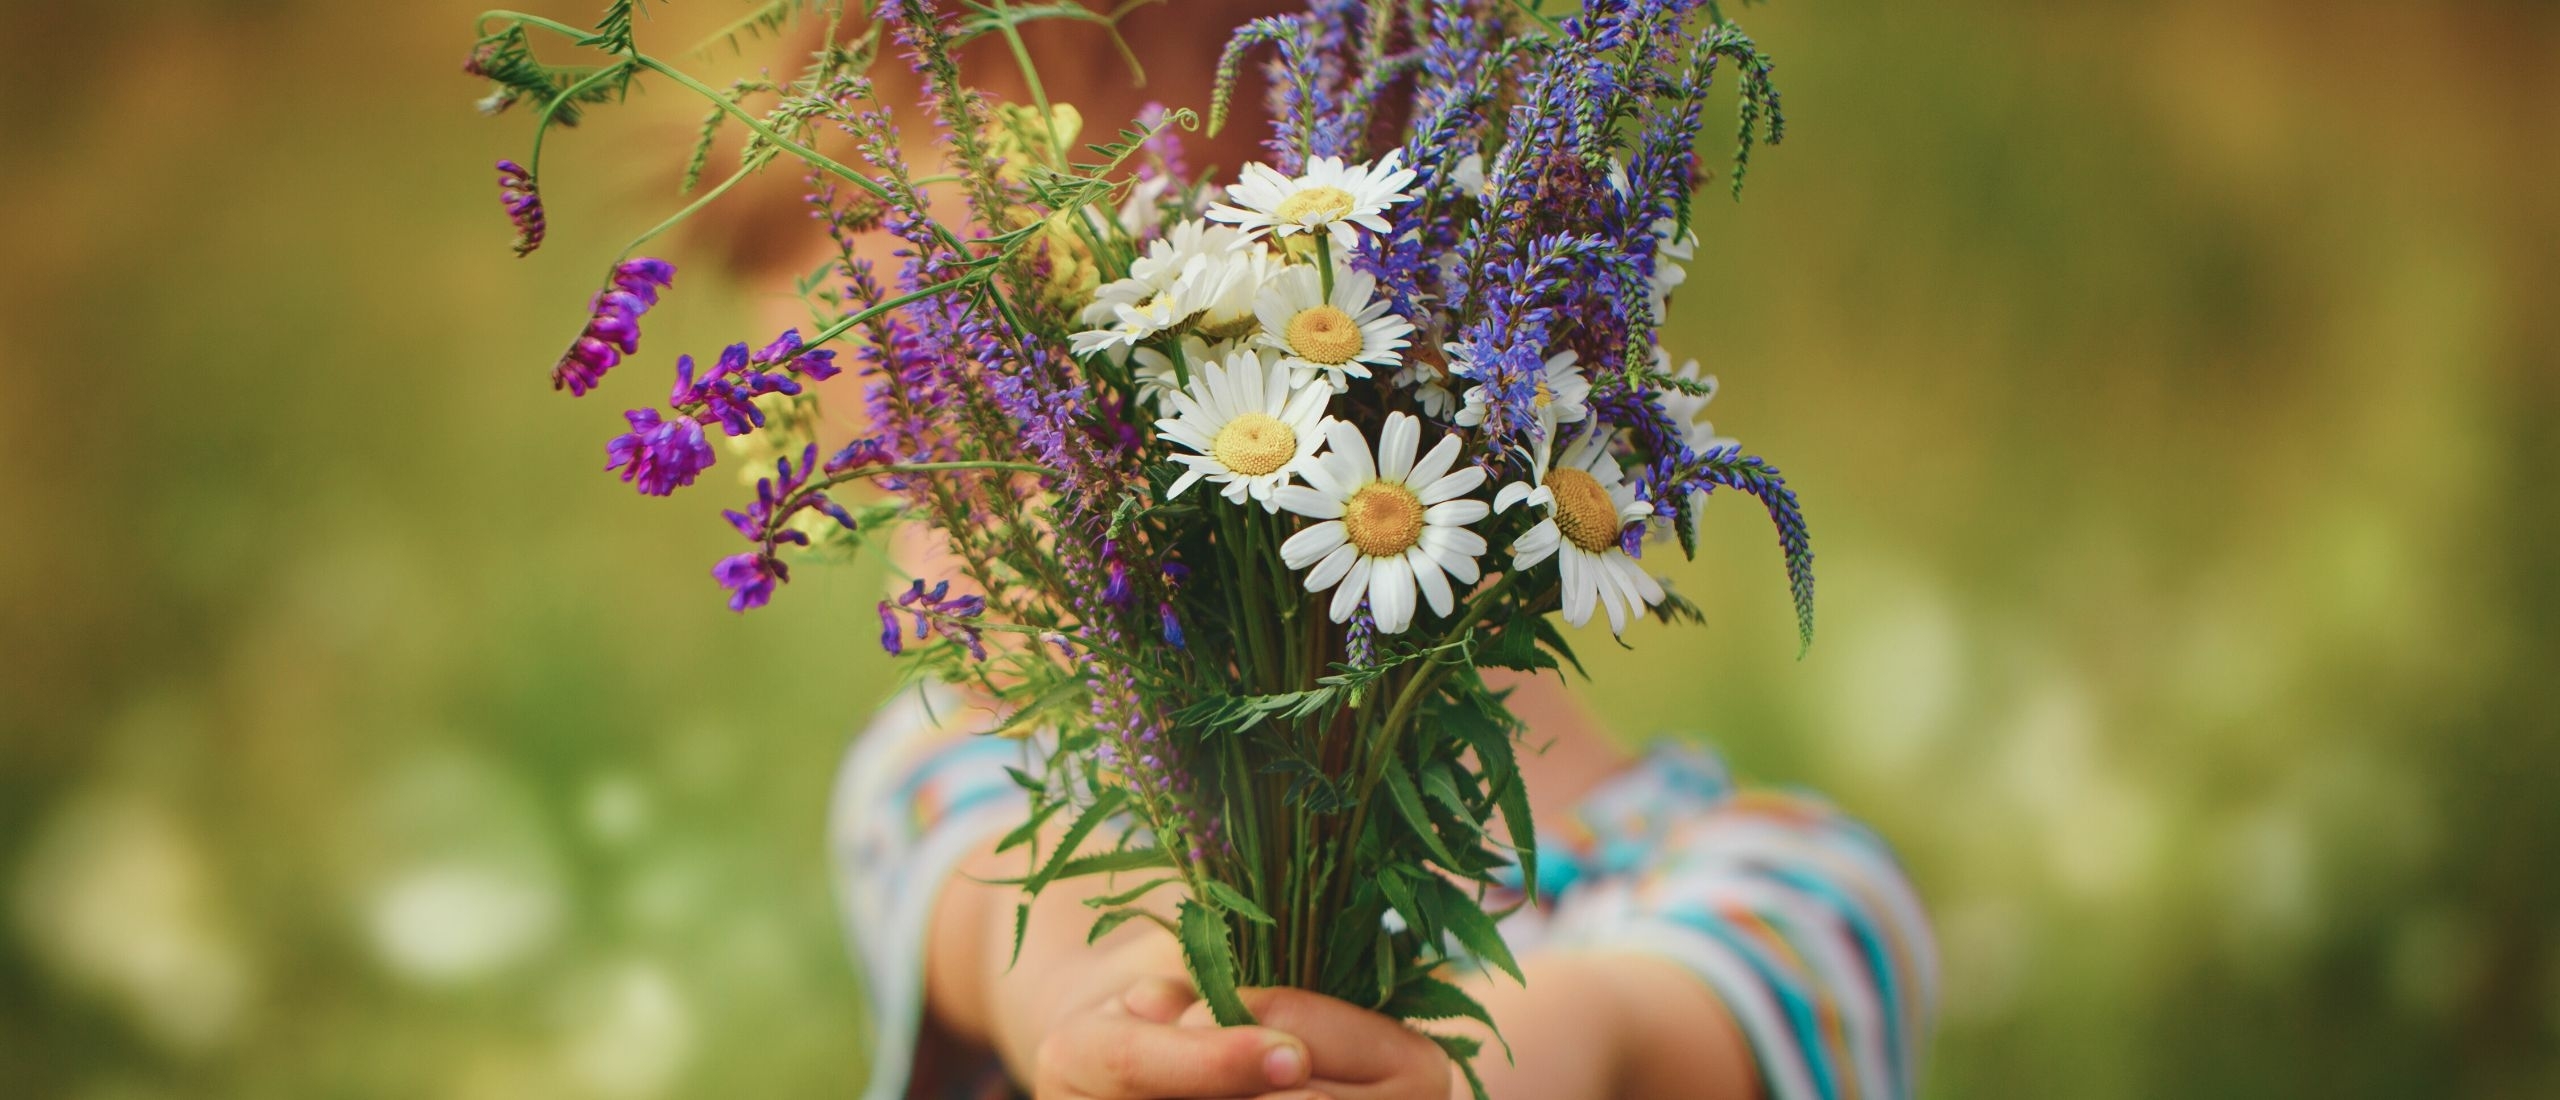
point(1583, 510)
point(1324, 335)
point(1254, 444)
point(1383, 519)
point(1328, 203)
point(1544, 398)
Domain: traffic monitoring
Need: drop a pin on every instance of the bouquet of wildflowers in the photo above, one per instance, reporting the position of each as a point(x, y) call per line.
point(1244, 481)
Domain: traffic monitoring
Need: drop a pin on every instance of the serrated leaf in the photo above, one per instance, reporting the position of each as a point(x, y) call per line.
point(1092, 818)
point(1469, 922)
point(1030, 826)
point(1212, 963)
point(1462, 1052)
point(1408, 803)
point(1114, 862)
point(1235, 902)
point(1514, 800)
point(1131, 894)
point(1103, 924)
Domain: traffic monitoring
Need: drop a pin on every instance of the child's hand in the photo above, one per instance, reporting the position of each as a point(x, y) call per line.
point(1359, 1054)
point(1131, 1047)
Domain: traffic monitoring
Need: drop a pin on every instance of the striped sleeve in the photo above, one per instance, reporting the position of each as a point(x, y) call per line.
point(914, 796)
point(1797, 915)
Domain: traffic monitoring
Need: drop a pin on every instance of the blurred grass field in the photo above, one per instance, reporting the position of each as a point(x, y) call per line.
point(2172, 390)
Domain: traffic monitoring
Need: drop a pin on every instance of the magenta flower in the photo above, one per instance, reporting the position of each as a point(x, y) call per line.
point(613, 324)
point(524, 205)
point(659, 456)
point(750, 578)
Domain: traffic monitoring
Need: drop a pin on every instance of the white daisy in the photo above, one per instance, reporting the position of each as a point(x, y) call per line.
point(1427, 373)
point(1329, 198)
point(1176, 278)
point(1675, 248)
point(1342, 335)
point(1388, 528)
point(1685, 410)
point(1468, 176)
point(1250, 429)
point(1225, 287)
point(1588, 505)
point(1560, 399)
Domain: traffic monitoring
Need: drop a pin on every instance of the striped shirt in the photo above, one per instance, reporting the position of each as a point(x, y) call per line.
point(1796, 915)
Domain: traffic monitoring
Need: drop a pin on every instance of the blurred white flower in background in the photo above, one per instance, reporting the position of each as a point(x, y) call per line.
point(117, 899)
point(462, 921)
point(629, 1034)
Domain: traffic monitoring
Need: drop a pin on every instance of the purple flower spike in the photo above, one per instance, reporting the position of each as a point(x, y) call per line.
point(524, 206)
point(644, 276)
point(613, 324)
point(1172, 625)
point(750, 578)
point(659, 456)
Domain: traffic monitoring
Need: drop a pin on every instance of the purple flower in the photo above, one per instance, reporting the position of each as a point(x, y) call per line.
point(892, 638)
point(866, 451)
point(785, 351)
point(936, 611)
point(750, 578)
point(1172, 625)
point(659, 456)
point(524, 205)
point(613, 324)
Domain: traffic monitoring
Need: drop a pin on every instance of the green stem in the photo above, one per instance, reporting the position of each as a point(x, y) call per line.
point(1031, 79)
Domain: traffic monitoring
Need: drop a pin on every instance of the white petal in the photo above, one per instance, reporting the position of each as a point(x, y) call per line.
point(1427, 576)
point(1193, 474)
point(1613, 598)
point(1442, 456)
point(1536, 545)
point(1455, 513)
point(1581, 589)
point(1355, 584)
point(1456, 483)
point(1332, 568)
point(1311, 503)
point(1509, 495)
point(1391, 594)
point(1396, 443)
point(1350, 455)
point(1642, 583)
point(1313, 543)
point(1325, 476)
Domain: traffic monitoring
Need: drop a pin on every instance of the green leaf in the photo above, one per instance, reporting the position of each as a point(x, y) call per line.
point(1399, 894)
point(1408, 803)
point(1092, 818)
point(1429, 998)
point(1471, 925)
point(1235, 901)
point(1553, 639)
point(1514, 799)
point(1462, 1052)
point(1021, 925)
point(1030, 826)
point(1103, 924)
point(1212, 963)
point(1125, 859)
point(1131, 894)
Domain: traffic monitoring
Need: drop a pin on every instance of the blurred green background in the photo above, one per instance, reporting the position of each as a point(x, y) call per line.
point(2172, 388)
